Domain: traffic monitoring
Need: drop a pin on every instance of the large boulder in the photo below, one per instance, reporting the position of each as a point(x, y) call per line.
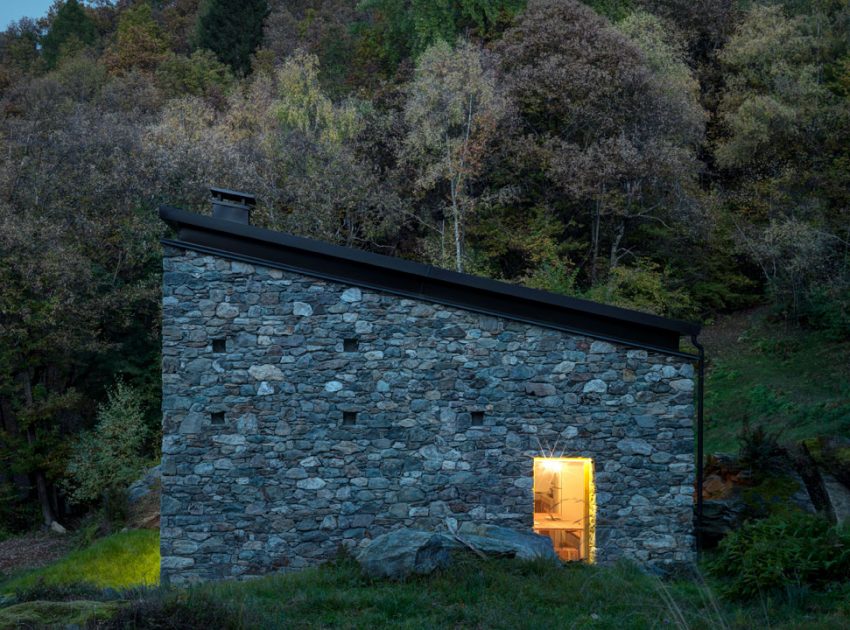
point(404, 552)
point(839, 498)
point(830, 458)
point(522, 545)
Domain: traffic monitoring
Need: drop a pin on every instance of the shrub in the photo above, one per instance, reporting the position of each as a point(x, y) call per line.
point(199, 75)
point(108, 459)
point(828, 309)
point(170, 609)
point(42, 591)
point(644, 287)
point(759, 449)
point(780, 554)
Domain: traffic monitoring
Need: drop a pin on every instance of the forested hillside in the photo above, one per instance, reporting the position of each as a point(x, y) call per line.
point(682, 157)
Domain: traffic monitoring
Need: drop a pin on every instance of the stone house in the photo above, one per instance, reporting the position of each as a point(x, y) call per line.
point(316, 396)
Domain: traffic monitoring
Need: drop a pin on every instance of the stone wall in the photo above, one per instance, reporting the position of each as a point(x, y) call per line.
point(265, 465)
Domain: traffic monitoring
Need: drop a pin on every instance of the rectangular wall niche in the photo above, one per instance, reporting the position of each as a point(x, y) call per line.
point(349, 417)
point(565, 506)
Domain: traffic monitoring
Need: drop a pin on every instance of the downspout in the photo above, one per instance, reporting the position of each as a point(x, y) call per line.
point(700, 426)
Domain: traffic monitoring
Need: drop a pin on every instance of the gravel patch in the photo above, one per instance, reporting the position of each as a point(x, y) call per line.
point(31, 551)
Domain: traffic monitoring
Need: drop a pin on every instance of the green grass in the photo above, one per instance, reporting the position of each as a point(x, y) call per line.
point(795, 383)
point(471, 593)
point(119, 561)
point(491, 593)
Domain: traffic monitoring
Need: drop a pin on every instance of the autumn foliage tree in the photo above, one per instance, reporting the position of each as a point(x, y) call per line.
point(453, 110)
point(784, 149)
point(139, 42)
point(615, 123)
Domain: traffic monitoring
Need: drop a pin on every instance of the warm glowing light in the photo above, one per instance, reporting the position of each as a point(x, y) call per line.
point(552, 465)
point(565, 505)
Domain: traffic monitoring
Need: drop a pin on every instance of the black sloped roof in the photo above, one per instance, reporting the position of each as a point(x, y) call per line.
point(402, 277)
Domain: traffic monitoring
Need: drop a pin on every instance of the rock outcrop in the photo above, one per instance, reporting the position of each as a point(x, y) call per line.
point(145, 486)
point(812, 476)
point(404, 552)
point(831, 455)
point(143, 497)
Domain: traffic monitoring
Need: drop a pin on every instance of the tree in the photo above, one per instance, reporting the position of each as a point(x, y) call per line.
point(303, 107)
point(201, 74)
point(45, 316)
point(333, 193)
point(615, 123)
point(110, 457)
point(453, 110)
point(705, 24)
point(139, 42)
point(570, 73)
point(404, 28)
point(678, 112)
point(78, 263)
point(18, 51)
point(179, 18)
point(70, 30)
point(773, 96)
point(233, 31)
point(783, 151)
point(285, 140)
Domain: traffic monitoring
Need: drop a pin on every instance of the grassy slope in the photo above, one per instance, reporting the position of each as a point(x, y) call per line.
point(472, 593)
point(793, 382)
point(489, 594)
point(118, 561)
point(502, 594)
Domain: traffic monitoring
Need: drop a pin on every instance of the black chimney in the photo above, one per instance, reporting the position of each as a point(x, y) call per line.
point(232, 205)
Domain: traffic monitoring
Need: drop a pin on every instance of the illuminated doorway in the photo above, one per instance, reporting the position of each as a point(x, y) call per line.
point(564, 505)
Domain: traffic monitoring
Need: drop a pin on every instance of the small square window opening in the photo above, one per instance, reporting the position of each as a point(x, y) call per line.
point(349, 417)
point(349, 345)
point(217, 417)
point(219, 345)
point(477, 418)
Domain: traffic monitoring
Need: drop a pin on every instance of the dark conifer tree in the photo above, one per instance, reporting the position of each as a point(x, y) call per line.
point(72, 27)
point(232, 29)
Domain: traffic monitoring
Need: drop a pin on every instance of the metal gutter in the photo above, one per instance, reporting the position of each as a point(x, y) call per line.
point(700, 444)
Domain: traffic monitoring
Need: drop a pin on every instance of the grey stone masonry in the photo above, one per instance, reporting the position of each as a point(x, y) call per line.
point(285, 446)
